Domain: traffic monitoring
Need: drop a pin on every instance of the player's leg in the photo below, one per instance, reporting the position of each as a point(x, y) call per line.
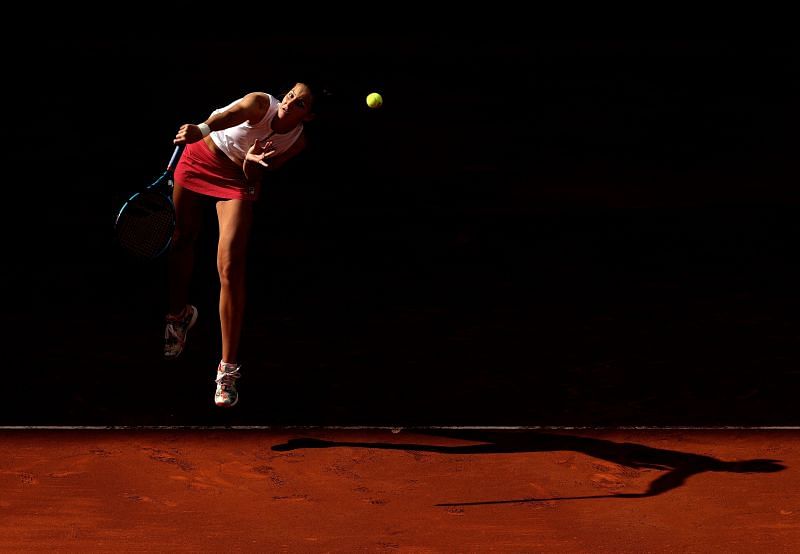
point(188, 222)
point(181, 315)
point(235, 220)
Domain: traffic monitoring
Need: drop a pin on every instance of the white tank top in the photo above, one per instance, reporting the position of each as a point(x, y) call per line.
point(236, 141)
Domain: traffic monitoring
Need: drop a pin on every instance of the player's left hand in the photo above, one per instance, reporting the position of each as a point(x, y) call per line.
point(258, 153)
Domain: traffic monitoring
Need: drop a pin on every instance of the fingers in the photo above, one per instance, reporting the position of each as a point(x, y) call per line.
point(266, 155)
point(258, 153)
point(180, 136)
point(263, 148)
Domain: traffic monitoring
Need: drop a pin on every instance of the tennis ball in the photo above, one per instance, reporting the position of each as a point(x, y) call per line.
point(374, 100)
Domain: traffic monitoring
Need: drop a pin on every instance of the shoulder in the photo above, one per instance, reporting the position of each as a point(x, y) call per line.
point(260, 99)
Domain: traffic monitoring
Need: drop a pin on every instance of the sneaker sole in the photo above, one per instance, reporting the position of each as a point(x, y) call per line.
point(231, 405)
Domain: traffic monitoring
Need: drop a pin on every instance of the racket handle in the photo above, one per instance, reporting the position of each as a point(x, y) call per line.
point(174, 159)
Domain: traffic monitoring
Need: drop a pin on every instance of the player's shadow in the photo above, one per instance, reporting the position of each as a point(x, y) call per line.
point(679, 466)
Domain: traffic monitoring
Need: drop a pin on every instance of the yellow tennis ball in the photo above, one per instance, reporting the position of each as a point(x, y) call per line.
point(374, 100)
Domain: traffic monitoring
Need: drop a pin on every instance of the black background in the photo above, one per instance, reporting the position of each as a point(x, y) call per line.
point(526, 233)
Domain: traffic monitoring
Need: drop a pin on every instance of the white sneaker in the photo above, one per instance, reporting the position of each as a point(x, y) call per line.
point(176, 330)
point(226, 395)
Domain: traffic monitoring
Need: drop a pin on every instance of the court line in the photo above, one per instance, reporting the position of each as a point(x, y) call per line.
point(397, 427)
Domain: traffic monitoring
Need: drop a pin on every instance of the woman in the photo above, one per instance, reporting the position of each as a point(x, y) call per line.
point(224, 161)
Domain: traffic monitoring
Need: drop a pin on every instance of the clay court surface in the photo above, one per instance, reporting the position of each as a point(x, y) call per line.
point(353, 490)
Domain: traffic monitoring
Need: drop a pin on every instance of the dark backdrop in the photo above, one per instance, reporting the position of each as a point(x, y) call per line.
point(526, 233)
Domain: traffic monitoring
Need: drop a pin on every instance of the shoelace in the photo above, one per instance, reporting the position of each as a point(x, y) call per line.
point(171, 334)
point(228, 378)
point(173, 325)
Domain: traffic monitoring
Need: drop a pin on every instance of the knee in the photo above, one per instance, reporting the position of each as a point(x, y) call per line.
point(231, 270)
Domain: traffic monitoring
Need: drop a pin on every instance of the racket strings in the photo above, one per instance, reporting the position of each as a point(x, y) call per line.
point(145, 225)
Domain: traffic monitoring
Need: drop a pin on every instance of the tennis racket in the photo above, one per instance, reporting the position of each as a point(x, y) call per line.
point(145, 223)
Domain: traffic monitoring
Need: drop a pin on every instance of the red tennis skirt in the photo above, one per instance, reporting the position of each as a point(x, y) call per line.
point(212, 174)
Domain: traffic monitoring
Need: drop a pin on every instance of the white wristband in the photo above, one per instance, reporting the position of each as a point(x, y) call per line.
point(205, 129)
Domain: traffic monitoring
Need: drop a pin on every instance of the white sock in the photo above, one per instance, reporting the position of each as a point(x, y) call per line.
point(225, 366)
